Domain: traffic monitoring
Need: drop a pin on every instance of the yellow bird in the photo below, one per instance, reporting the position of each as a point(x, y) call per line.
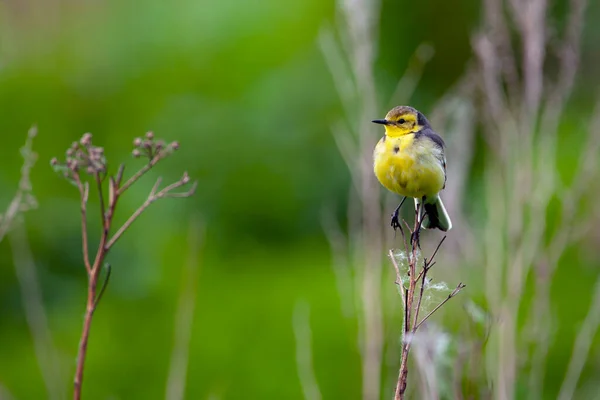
point(409, 160)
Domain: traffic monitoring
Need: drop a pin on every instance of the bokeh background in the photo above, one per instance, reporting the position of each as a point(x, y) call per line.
point(246, 89)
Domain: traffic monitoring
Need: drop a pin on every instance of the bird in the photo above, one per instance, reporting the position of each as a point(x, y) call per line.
point(409, 160)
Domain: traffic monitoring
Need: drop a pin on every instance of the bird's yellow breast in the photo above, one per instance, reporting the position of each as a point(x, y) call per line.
point(408, 166)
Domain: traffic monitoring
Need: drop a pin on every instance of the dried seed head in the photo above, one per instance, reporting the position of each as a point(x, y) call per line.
point(150, 135)
point(185, 178)
point(73, 164)
point(54, 161)
point(86, 139)
point(137, 142)
point(96, 154)
point(160, 145)
point(136, 153)
point(148, 144)
point(70, 152)
point(74, 145)
point(90, 170)
point(174, 145)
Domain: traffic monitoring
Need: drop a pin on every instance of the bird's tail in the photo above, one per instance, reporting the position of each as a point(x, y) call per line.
point(436, 215)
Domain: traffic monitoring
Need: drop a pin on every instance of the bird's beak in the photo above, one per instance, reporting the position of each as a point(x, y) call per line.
point(381, 121)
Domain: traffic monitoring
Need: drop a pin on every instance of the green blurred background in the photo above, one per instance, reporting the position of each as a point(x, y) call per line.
point(243, 86)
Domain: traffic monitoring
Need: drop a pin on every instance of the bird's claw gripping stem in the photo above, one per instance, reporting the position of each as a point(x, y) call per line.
point(395, 222)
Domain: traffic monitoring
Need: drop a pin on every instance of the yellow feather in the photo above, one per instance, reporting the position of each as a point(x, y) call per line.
point(409, 167)
point(409, 160)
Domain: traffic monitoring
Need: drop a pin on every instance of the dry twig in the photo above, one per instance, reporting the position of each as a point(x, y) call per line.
point(524, 107)
point(350, 54)
point(84, 158)
point(412, 297)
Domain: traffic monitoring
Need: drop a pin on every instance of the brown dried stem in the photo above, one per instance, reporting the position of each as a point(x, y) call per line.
point(412, 298)
point(86, 157)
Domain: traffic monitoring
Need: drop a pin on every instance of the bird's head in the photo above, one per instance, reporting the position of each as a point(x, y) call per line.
point(402, 120)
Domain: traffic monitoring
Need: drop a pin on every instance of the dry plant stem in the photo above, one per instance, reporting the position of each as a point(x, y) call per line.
point(409, 293)
point(411, 305)
point(84, 191)
point(350, 55)
point(106, 242)
point(523, 125)
point(138, 174)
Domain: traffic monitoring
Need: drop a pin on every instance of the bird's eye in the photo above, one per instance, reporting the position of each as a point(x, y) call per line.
point(401, 121)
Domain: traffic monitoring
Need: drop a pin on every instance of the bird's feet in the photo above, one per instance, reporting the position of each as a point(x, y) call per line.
point(395, 222)
point(415, 238)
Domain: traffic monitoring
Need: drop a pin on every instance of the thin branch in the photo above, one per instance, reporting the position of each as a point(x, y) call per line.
point(140, 173)
point(156, 186)
point(409, 294)
point(420, 298)
point(104, 285)
point(166, 192)
point(84, 191)
point(119, 176)
point(85, 158)
point(406, 319)
point(428, 262)
point(459, 287)
point(98, 180)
